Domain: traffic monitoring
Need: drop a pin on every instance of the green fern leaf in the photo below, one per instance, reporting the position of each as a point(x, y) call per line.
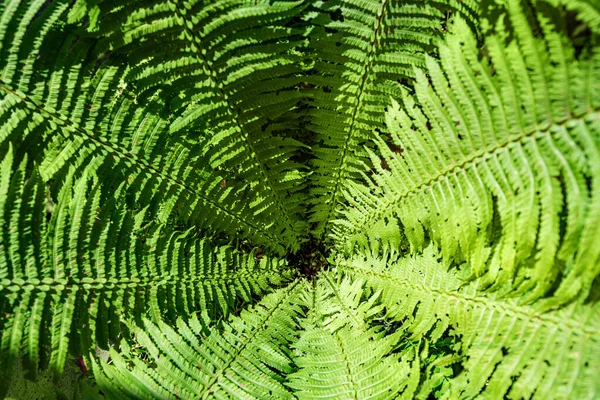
point(495, 162)
point(244, 360)
point(506, 348)
point(364, 50)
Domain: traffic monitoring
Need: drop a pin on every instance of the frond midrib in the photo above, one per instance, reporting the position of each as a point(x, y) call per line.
point(99, 284)
point(525, 312)
point(384, 208)
point(347, 364)
point(366, 72)
point(341, 302)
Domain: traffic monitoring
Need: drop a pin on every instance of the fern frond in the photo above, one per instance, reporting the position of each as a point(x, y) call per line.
point(363, 50)
point(105, 262)
point(587, 11)
point(339, 354)
point(73, 121)
point(506, 348)
point(228, 73)
point(350, 364)
point(246, 359)
point(496, 160)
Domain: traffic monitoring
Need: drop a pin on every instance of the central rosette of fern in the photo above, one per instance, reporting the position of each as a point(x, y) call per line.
point(312, 257)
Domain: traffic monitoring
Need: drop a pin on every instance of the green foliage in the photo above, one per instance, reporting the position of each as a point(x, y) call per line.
point(362, 51)
point(506, 347)
point(170, 169)
point(496, 162)
point(240, 360)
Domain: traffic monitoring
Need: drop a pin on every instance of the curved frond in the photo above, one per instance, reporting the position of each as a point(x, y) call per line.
point(336, 301)
point(496, 160)
point(363, 50)
point(245, 359)
point(340, 354)
point(349, 364)
point(58, 260)
point(506, 348)
point(228, 73)
point(587, 11)
point(62, 109)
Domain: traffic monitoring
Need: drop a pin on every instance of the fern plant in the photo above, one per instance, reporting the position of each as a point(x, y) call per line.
point(301, 199)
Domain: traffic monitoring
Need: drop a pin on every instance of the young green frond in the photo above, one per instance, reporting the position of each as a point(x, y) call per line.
point(245, 359)
point(496, 160)
point(506, 348)
point(364, 50)
point(350, 364)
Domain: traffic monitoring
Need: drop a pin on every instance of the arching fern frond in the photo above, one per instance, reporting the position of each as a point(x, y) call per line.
point(340, 354)
point(586, 10)
point(363, 50)
point(67, 282)
point(496, 160)
point(228, 74)
point(506, 349)
point(61, 108)
point(336, 301)
point(246, 359)
point(351, 364)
